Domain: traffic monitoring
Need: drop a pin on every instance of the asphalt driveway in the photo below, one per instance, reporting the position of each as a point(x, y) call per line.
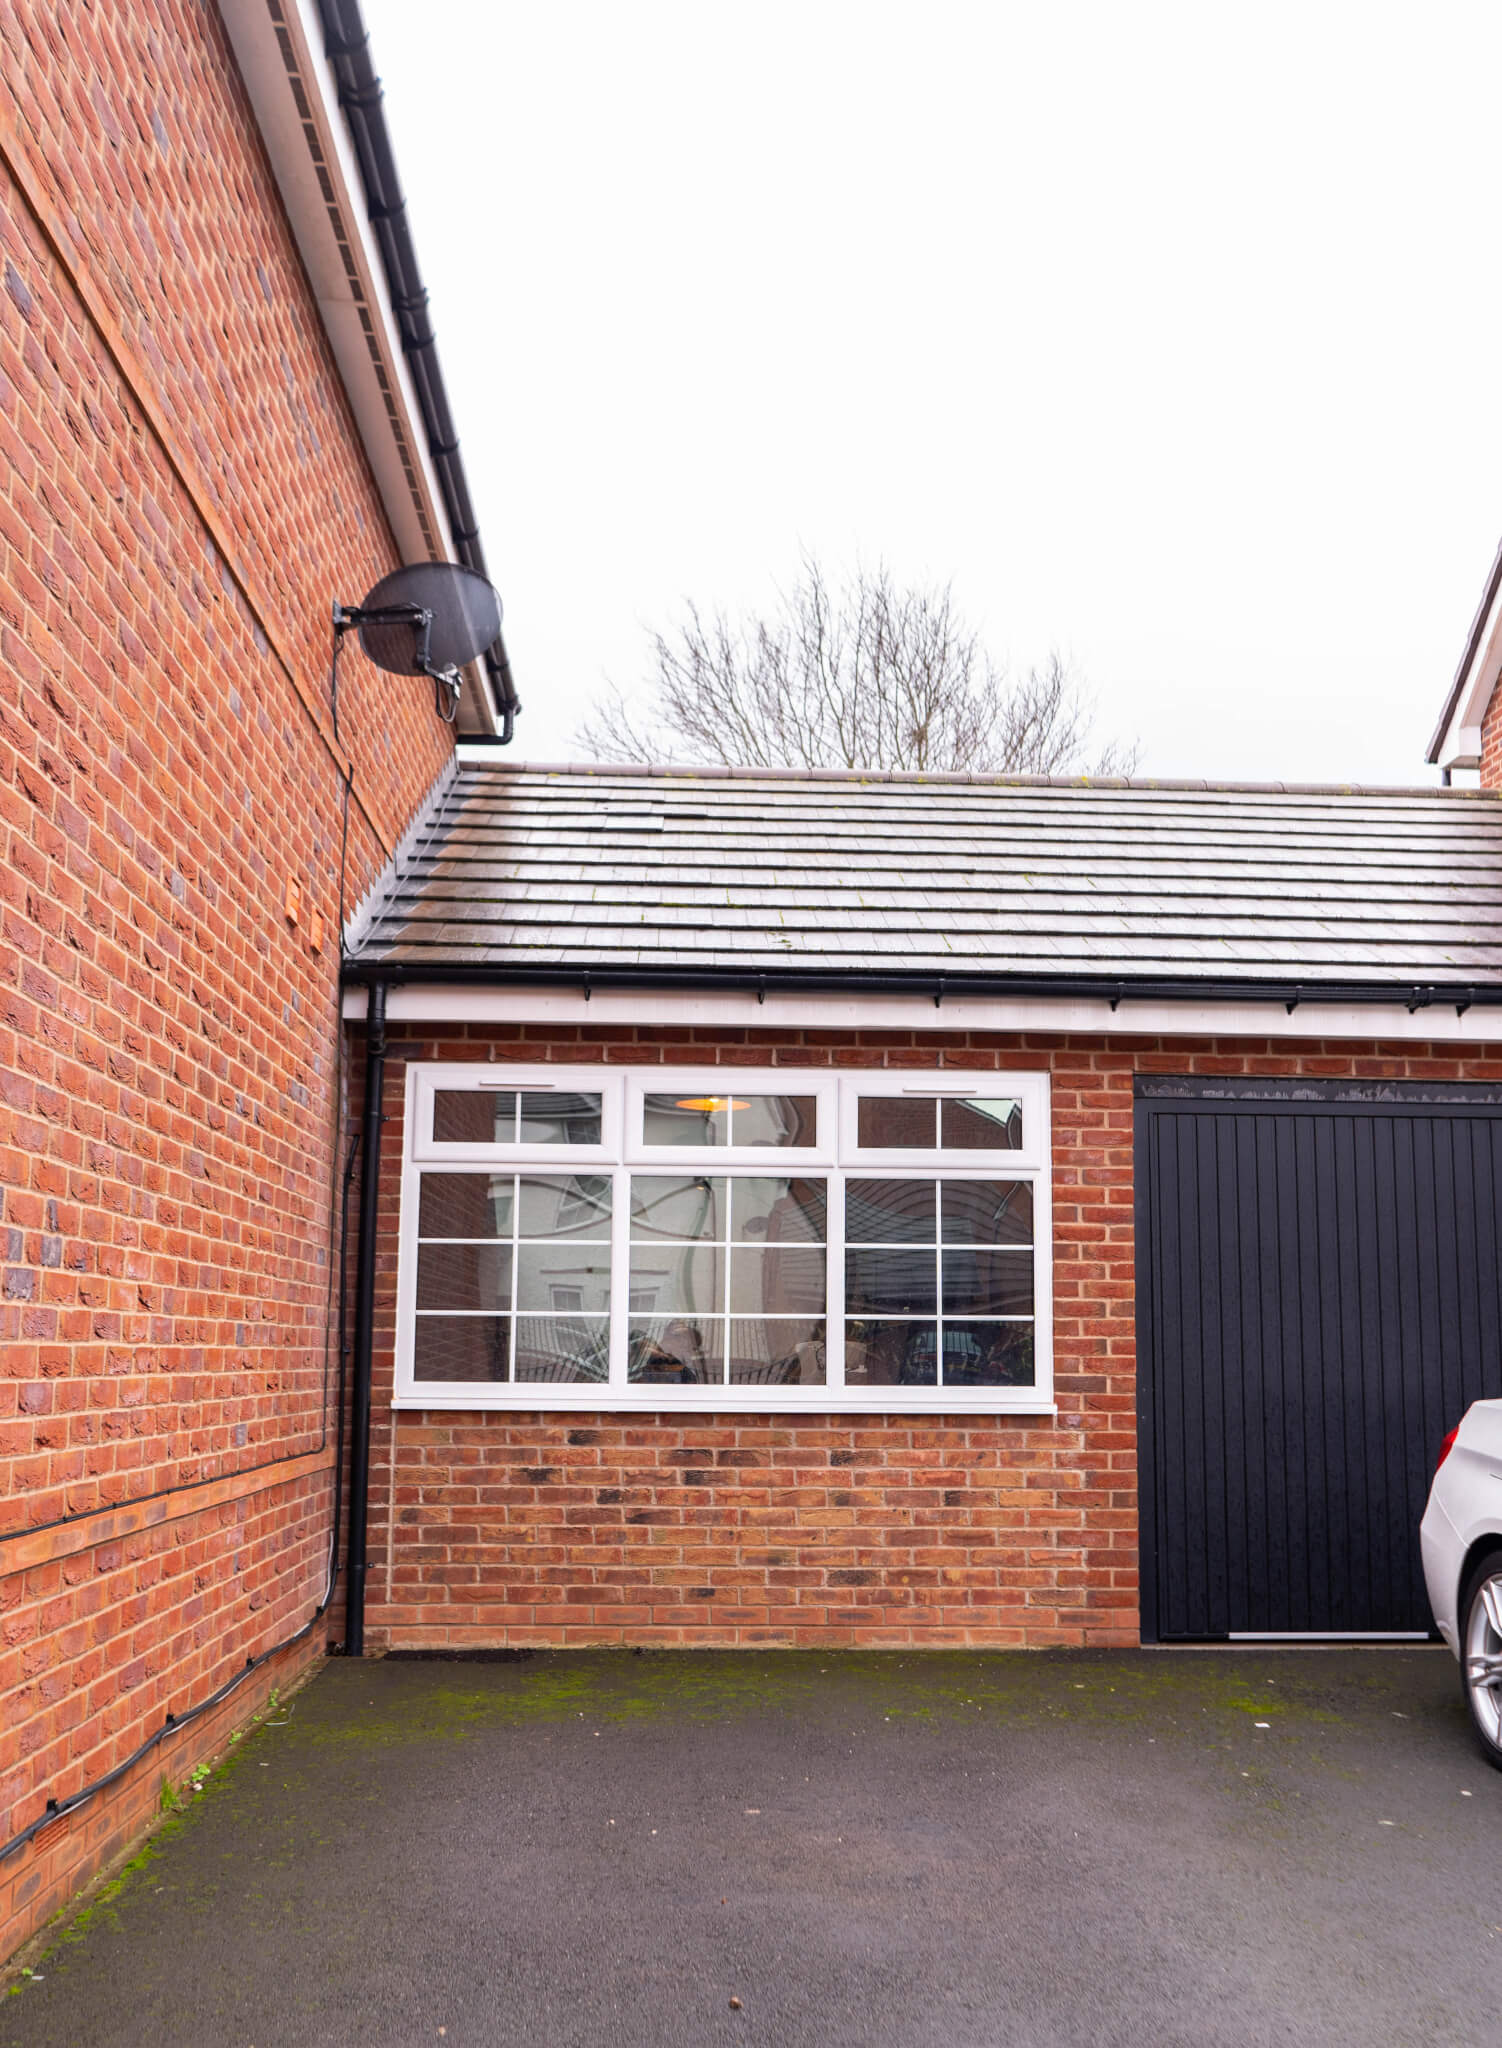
point(812, 1848)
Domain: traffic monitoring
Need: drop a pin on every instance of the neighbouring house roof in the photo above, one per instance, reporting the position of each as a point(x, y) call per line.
point(1456, 740)
point(709, 877)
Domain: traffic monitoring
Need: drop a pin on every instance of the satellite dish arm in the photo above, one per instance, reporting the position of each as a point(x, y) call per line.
point(447, 685)
point(417, 616)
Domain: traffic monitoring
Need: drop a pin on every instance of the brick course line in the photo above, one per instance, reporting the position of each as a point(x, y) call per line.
point(28, 1548)
point(16, 160)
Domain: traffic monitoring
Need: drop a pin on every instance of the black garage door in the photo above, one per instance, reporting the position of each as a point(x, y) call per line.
point(1319, 1297)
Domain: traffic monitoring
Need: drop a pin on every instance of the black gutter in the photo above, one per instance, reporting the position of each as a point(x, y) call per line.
point(347, 45)
point(365, 1263)
point(1111, 988)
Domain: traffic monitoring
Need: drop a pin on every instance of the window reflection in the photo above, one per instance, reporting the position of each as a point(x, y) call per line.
point(779, 1211)
point(507, 1116)
point(922, 1123)
point(678, 1279)
point(469, 1276)
point(897, 1122)
point(676, 1350)
point(729, 1119)
point(461, 1348)
point(727, 1278)
point(664, 1206)
point(474, 1116)
point(491, 1241)
point(563, 1348)
point(992, 1125)
point(563, 1205)
point(780, 1352)
point(957, 1253)
point(890, 1212)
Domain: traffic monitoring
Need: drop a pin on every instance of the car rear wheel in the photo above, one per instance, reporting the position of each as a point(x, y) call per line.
point(1481, 1654)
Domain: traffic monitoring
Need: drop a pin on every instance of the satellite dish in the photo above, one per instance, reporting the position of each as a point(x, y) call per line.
point(463, 617)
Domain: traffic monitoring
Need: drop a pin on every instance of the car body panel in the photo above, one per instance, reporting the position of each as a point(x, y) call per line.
point(1465, 1506)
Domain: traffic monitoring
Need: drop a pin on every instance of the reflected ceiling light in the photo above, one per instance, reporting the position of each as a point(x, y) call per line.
point(706, 1103)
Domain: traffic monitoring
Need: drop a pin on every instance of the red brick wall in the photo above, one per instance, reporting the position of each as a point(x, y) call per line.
point(525, 1528)
point(182, 496)
point(1491, 744)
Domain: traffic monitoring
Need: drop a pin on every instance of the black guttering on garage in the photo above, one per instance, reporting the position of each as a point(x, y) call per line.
point(348, 48)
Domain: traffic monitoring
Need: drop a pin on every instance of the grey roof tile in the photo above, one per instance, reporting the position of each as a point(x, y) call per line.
point(713, 870)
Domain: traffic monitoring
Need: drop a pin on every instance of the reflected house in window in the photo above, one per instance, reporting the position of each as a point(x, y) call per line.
point(513, 1275)
point(737, 1119)
point(681, 1261)
point(506, 1116)
point(727, 1279)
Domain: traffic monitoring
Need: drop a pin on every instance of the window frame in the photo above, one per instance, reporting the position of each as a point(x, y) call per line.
point(836, 1159)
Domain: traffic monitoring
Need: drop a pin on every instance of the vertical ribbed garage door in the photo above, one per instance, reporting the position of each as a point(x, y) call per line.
point(1319, 1297)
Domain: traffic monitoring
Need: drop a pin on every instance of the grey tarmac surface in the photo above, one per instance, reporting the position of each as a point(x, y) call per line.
point(948, 1849)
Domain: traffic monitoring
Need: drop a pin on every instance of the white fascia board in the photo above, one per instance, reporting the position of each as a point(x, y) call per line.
point(278, 45)
point(460, 1004)
point(1461, 746)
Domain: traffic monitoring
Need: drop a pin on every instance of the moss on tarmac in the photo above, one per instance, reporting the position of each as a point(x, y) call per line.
point(877, 1847)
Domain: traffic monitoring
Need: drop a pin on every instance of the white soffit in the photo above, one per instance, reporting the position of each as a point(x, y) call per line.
point(453, 1003)
point(278, 45)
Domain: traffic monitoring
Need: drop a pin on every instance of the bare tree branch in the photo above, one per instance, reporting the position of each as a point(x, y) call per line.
point(874, 675)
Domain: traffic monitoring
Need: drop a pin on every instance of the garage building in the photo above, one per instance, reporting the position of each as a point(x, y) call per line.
point(844, 1209)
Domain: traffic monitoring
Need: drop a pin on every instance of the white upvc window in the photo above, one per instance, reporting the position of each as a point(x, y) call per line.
point(712, 1239)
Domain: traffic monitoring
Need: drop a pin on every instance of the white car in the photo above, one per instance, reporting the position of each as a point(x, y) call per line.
point(1461, 1540)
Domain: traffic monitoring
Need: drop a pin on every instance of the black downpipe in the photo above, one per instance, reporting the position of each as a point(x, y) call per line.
point(348, 49)
point(365, 1266)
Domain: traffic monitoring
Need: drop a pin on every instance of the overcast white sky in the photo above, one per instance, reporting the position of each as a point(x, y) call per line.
point(1169, 333)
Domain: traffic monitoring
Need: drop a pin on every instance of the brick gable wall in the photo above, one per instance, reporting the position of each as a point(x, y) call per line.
point(182, 496)
point(1491, 744)
point(523, 1528)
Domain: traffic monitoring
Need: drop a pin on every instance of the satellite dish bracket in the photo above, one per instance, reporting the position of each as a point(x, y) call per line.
point(417, 616)
point(446, 681)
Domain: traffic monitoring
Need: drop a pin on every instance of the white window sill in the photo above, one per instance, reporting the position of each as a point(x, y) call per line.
point(810, 1401)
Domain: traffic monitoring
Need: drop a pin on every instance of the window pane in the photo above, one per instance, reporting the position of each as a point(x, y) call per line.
point(563, 1348)
point(461, 1347)
point(464, 1276)
point(474, 1116)
point(898, 1121)
point(890, 1212)
point(565, 1278)
point(891, 1283)
point(983, 1125)
point(564, 1205)
point(464, 1205)
point(664, 1206)
point(891, 1354)
point(773, 1120)
point(776, 1281)
point(778, 1211)
point(993, 1283)
point(551, 1117)
point(987, 1211)
point(988, 1355)
point(672, 1280)
point(686, 1120)
point(682, 1351)
point(786, 1353)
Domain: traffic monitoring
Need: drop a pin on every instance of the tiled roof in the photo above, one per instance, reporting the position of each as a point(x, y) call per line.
point(714, 872)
